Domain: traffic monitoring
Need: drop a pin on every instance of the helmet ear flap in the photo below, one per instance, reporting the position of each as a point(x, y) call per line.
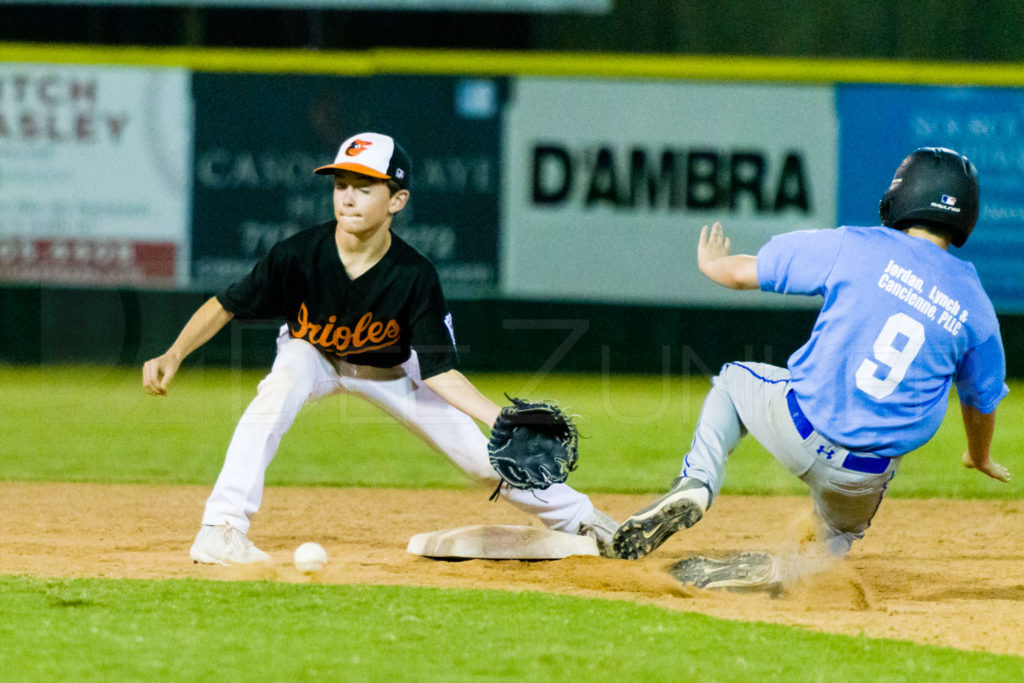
point(884, 212)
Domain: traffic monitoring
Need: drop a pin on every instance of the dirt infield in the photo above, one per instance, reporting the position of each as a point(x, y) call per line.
point(939, 572)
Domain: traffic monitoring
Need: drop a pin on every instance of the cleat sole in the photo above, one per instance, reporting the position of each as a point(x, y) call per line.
point(643, 533)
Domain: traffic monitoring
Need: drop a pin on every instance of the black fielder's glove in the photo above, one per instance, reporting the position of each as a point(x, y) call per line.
point(533, 445)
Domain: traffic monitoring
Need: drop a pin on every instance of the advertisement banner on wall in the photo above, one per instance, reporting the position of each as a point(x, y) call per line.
point(94, 175)
point(259, 137)
point(882, 124)
point(609, 182)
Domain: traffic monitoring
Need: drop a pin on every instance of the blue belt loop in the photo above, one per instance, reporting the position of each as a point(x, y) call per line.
point(868, 464)
point(803, 426)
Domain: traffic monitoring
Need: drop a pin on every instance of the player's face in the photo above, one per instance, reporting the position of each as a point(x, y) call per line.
point(363, 205)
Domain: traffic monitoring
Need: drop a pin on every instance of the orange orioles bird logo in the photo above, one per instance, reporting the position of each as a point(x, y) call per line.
point(357, 147)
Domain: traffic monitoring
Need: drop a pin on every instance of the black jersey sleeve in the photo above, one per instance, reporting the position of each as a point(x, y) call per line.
point(261, 293)
point(433, 337)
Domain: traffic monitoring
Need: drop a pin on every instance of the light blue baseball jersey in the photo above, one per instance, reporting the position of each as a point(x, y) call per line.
point(901, 319)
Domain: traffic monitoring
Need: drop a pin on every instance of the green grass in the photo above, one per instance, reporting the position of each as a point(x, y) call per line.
point(96, 424)
point(92, 629)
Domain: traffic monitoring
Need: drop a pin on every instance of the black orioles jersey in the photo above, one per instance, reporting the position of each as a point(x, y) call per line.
point(375, 319)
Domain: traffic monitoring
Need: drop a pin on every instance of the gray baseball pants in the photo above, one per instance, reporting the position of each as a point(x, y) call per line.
point(846, 487)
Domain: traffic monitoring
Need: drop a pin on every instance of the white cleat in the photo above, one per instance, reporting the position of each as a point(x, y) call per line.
point(226, 545)
point(601, 528)
point(682, 507)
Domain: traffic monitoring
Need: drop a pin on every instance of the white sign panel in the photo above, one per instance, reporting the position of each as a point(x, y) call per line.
point(607, 183)
point(95, 168)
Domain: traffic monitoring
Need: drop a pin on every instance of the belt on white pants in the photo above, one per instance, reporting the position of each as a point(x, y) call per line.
point(857, 462)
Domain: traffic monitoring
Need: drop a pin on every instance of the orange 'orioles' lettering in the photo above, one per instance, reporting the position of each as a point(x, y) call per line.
point(368, 334)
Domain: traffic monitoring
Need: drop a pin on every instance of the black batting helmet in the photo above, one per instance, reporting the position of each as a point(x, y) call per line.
point(937, 186)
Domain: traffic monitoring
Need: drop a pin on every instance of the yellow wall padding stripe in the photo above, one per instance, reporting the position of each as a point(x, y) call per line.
point(498, 63)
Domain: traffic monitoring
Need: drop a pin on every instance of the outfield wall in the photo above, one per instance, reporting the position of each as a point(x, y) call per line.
point(126, 326)
point(110, 326)
point(580, 179)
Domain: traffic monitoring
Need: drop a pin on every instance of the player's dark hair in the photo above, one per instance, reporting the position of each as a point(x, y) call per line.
point(393, 187)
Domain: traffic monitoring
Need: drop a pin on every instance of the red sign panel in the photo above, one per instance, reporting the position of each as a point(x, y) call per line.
point(87, 261)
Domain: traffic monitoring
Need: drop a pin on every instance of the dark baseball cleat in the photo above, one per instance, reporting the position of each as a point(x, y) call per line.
point(748, 572)
point(680, 508)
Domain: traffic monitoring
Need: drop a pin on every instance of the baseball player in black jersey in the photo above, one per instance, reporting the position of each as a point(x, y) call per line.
point(365, 315)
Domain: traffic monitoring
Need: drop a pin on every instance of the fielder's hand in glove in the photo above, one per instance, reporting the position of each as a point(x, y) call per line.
point(533, 445)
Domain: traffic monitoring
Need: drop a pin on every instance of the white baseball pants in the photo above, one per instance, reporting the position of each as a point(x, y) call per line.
point(752, 397)
point(301, 374)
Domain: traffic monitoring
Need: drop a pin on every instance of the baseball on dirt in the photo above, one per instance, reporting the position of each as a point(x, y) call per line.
point(310, 557)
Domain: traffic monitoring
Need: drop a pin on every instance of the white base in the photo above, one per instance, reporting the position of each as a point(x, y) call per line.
point(500, 542)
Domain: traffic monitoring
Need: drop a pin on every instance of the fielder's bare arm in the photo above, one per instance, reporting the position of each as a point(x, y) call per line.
point(363, 314)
